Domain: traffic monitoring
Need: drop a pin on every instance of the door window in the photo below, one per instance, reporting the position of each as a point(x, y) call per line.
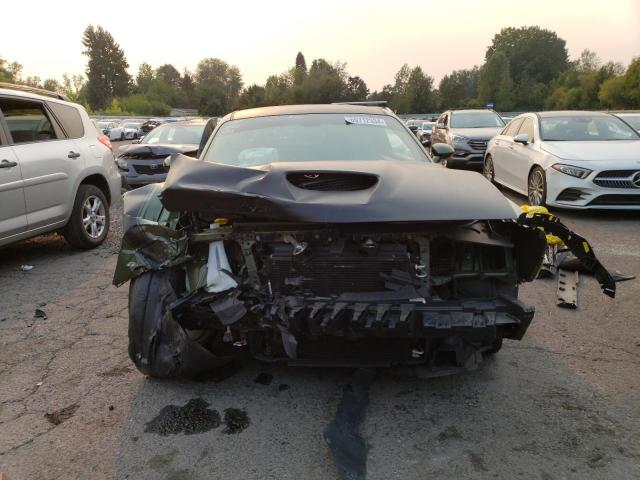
point(512, 128)
point(527, 127)
point(27, 121)
point(69, 118)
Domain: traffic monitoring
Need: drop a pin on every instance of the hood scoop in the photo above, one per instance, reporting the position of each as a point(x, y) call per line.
point(332, 181)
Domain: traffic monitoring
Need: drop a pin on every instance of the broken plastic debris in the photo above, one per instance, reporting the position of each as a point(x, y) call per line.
point(26, 268)
point(40, 314)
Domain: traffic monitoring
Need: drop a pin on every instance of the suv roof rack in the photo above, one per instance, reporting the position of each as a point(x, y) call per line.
point(366, 103)
point(39, 91)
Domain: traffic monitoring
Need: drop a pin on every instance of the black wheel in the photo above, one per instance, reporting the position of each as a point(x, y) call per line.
point(487, 169)
point(158, 345)
point(537, 187)
point(122, 136)
point(89, 223)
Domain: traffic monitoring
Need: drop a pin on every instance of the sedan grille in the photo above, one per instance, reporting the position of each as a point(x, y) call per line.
point(617, 179)
point(622, 199)
point(478, 144)
point(332, 181)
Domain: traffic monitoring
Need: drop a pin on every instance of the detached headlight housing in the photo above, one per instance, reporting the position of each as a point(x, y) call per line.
point(577, 172)
point(122, 164)
point(459, 139)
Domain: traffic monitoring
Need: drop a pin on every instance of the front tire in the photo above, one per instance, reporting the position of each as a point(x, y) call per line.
point(537, 187)
point(158, 345)
point(487, 169)
point(89, 223)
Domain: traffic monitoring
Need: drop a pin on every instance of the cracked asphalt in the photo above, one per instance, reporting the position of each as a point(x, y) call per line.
point(562, 404)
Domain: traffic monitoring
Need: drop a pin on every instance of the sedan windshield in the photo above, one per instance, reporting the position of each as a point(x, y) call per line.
point(312, 137)
point(179, 134)
point(131, 125)
point(585, 128)
point(476, 120)
point(633, 120)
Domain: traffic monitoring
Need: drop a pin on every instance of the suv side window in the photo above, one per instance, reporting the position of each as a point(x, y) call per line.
point(527, 127)
point(69, 118)
point(27, 121)
point(512, 128)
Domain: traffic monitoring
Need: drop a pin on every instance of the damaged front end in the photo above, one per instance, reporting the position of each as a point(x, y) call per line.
point(435, 296)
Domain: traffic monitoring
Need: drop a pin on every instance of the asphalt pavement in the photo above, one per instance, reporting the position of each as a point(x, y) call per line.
point(564, 403)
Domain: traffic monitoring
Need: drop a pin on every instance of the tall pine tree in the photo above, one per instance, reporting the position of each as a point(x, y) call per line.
point(107, 68)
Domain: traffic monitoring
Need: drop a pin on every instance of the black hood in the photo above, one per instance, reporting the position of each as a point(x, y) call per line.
point(157, 150)
point(333, 192)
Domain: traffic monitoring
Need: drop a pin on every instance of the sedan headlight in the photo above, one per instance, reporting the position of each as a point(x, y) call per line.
point(571, 170)
point(122, 164)
point(459, 139)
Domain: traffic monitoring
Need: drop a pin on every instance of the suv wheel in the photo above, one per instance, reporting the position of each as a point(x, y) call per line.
point(89, 222)
point(537, 187)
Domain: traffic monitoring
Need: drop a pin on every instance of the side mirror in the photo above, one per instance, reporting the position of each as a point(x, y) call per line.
point(522, 138)
point(441, 151)
point(440, 126)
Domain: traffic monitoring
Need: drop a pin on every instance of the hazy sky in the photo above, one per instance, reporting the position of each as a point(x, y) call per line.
point(262, 37)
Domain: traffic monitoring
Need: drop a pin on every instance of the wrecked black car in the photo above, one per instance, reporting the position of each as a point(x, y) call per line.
point(142, 162)
point(324, 235)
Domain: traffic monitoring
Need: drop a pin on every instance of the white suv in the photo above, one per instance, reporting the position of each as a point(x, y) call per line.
point(57, 170)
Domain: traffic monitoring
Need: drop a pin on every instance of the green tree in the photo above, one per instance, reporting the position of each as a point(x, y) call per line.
point(325, 83)
point(52, 85)
point(145, 77)
point(622, 92)
point(218, 86)
point(251, 97)
point(9, 72)
point(356, 89)
point(532, 51)
point(459, 89)
point(107, 67)
point(277, 89)
point(420, 92)
point(495, 82)
point(300, 72)
point(169, 74)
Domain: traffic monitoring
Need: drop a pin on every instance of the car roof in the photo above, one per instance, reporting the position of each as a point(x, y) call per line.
point(307, 109)
point(627, 114)
point(35, 96)
point(573, 113)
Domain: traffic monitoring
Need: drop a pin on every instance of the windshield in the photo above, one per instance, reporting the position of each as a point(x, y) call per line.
point(427, 126)
point(312, 137)
point(181, 134)
point(633, 120)
point(476, 120)
point(585, 128)
point(131, 125)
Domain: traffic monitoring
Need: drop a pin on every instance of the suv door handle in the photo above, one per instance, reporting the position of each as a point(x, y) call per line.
point(73, 154)
point(8, 164)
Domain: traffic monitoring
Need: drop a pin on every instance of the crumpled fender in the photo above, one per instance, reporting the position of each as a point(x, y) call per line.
point(149, 242)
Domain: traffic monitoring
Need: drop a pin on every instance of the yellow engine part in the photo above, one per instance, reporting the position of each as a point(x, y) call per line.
point(531, 210)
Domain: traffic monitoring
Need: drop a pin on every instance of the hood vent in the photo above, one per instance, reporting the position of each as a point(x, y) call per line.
point(332, 181)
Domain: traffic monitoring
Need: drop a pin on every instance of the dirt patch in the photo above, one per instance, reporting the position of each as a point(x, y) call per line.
point(235, 420)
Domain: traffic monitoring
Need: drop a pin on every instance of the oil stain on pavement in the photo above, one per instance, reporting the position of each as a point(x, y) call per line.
point(195, 417)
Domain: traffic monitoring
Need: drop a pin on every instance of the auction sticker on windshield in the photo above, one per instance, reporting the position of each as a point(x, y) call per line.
point(365, 121)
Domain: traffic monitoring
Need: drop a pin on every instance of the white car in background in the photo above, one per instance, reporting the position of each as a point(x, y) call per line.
point(127, 130)
point(570, 159)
